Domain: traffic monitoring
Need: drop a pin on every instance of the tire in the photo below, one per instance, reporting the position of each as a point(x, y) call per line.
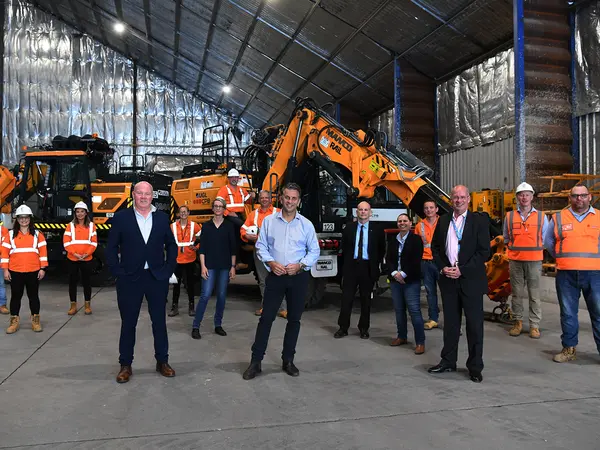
point(315, 293)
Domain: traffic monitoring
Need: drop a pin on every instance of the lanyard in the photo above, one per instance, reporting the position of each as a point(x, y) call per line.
point(458, 233)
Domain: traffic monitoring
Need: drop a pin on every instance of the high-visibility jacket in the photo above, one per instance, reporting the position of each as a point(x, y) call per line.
point(256, 219)
point(577, 243)
point(425, 231)
point(24, 252)
point(80, 239)
point(235, 196)
point(184, 237)
point(525, 241)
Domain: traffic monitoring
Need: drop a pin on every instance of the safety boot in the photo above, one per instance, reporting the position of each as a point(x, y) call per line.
point(534, 333)
point(282, 313)
point(35, 323)
point(73, 309)
point(88, 308)
point(430, 325)
point(567, 354)
point(13, 326)
point(516, 329)
point(4, 310)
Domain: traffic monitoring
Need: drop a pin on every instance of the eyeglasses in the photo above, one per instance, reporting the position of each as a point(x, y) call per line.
point(576, 196)
point(218, 206)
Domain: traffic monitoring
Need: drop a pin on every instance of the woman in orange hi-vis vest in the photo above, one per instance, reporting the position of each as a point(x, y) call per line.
point(80, 241)
point(24, 260)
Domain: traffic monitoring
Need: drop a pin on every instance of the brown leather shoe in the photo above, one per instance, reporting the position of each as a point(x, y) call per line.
point(124, 374)
point(420, 349)
point(396, 342)
point(165, 369)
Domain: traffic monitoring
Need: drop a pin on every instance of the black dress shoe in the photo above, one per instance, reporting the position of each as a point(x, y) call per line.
point(220, 331)
point(441, 368)
point(252, 370)
point(364, 334)
point(289, 368)
point(191, 310)
point(174, 311)
point(476, 377)
point(340, 333)
point(196, 333)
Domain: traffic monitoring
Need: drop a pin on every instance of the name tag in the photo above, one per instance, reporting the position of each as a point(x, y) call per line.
point(567, 227)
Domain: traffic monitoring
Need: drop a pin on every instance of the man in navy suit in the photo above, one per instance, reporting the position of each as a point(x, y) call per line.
point(142, 254)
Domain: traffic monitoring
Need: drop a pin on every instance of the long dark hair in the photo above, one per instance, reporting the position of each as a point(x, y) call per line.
point(17, 227)
point(86, 219)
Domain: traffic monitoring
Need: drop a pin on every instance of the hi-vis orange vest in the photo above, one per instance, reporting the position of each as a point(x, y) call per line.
point(184, 237)
point(24, 252)
point(81, 240)
point(525, 242)
point(577, 243)
point(425, 232)
point(235, 196)
point(256, 219)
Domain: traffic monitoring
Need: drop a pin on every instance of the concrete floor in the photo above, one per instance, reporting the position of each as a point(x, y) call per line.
point(57, 388)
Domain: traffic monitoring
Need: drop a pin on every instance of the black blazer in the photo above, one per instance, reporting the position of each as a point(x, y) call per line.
point(375, 246)
point(125, 238)
point(410, 260)
point(474, 252)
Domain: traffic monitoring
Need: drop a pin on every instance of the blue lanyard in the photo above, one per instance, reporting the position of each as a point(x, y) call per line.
point(457, 232)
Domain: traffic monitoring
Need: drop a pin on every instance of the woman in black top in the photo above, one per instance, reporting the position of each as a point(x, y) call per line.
point(218, 247)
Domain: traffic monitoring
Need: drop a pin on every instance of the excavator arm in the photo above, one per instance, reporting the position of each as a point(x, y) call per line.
point(312, 134)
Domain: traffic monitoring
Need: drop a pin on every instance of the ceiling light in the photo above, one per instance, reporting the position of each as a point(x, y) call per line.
point(226, 89)
point(119, 27)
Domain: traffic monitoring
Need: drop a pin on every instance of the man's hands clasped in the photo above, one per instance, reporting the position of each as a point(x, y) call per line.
point(452, 272)
point(279, 269)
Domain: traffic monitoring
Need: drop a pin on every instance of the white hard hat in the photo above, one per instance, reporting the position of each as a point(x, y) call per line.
point(81, 205)
point(524, 187)
point(23, 210)
point(233, 173)
point(252, 229)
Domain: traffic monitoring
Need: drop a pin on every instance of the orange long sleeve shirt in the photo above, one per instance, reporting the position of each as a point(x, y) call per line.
point(24, 252)
point(256, 218)
point(81, 240)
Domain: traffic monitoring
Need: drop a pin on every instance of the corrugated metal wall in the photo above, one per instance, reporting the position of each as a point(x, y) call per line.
point(484, 167)
point(589, 144)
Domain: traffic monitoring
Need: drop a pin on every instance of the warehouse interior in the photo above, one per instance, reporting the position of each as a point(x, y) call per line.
point(486, 93)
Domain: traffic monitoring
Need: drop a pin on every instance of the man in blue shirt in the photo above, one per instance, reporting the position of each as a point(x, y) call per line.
point(288, 247)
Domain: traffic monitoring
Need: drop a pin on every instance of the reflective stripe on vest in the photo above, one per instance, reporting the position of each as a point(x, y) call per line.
point(231, 203)
point(183, 244)
point(33, 249)
point(256, 215)
point(424, 236)
point(80, 241)
point(560, 253)
point(511, 237)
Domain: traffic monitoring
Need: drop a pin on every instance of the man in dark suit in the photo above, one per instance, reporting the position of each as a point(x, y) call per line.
point(148, 256)
point(460, 246)
point(363, 248)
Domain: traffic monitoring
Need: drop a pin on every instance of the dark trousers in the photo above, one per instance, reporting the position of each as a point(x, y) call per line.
point(356, 274)
point(454, 302)
point(19, 281)
point(85, 268)
point(188, 270)
point(130, 294)
point(293, 288)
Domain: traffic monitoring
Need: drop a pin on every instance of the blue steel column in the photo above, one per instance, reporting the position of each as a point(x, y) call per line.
point(436, 138)
point(519, 38)
point(397, 104)
point(574, 119)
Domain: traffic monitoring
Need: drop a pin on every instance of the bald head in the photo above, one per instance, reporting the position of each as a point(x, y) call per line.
point(142, 197)
point(460, 198)
point(363, 212)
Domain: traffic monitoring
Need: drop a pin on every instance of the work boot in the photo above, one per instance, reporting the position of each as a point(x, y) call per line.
point(430, 324)
point(567, 354)
point(4, 310)
point(534, 333)
point(282, 313)
point(73, 309)
point(258, 312)
point(13, 326)
point(174, 310)
point(191, 310)
point(516, 329)
point(88, 308)
point(35, 323)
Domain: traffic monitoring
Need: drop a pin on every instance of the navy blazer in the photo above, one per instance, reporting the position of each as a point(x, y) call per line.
point(125, 238)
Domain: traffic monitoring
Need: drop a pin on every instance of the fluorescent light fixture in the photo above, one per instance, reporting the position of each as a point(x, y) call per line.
point(119, 27)
point(226, 89)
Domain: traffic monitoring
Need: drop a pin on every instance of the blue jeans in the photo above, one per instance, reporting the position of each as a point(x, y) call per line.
point(408, 296)
point(2, 292)
point(430, 275)
point(220, 279)
point(569, 285)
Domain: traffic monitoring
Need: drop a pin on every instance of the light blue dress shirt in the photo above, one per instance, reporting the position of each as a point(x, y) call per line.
point(145, 225)
point(524, 218)
point(550, 239)
point(285, 242)
point(365, 240)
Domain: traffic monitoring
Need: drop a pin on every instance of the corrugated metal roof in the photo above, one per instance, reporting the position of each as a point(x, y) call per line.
point(272, 51)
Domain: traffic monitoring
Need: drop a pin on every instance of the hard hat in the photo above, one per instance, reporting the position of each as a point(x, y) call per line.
point(233, 173)
point(252, 229)
point(524, 187)
point(23, 210)
point(81, 205)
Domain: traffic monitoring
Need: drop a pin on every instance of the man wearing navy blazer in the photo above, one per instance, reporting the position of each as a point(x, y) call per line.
point(460, 247)
point(142, 254)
